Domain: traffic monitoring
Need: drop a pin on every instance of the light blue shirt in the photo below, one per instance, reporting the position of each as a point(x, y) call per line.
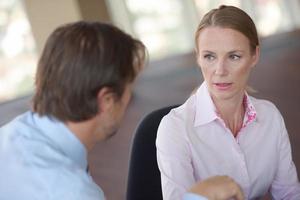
point(192, 196)
point(41, 159)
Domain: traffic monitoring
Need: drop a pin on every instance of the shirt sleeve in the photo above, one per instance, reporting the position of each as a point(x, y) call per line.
point(174, 158)
point(192, 196)
point(286, 185)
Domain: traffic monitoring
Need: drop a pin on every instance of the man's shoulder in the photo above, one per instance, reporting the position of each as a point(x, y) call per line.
point(20, 124)
point(75, 183)
point(49, 182)
point(23, 139)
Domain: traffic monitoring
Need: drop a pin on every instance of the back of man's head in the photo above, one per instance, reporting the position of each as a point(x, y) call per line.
point(78, 60)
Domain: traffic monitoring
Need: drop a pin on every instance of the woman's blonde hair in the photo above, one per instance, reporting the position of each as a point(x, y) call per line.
point(233, 18)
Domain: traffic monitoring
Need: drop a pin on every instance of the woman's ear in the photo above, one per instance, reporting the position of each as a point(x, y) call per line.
point(256, 56)
point(105, 99)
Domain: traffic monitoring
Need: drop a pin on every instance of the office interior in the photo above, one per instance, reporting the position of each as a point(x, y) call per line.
point(167, 28)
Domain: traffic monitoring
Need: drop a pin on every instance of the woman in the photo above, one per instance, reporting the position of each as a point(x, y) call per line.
point(221, 130)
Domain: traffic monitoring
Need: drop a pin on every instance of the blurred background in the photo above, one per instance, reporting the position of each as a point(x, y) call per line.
point(167, 28)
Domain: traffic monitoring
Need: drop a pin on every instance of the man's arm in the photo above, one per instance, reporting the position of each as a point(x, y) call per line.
point(215, 188)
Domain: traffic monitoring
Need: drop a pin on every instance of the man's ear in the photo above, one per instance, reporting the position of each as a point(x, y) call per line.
point(105, 99)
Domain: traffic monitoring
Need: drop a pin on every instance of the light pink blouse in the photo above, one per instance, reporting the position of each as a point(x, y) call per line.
point(193, 144)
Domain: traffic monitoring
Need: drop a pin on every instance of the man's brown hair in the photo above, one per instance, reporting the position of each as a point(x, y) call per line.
point(78, 60)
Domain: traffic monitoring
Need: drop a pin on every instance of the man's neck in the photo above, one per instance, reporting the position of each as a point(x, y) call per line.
point(84, 131)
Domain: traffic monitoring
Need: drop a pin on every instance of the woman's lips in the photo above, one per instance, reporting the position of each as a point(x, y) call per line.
point(222, 86)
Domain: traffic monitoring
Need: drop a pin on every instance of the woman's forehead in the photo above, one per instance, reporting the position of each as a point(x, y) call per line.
point(217, 38)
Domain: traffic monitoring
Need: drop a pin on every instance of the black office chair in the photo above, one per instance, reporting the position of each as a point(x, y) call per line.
point(144, 176)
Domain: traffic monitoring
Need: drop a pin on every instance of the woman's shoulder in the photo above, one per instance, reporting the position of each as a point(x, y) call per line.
point(183, 112)
point(173, 126)
point(264, 106)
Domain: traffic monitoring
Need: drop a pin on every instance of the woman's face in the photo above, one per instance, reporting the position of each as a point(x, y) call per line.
point(225, 59)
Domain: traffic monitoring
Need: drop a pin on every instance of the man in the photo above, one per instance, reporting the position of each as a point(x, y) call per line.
point(83, 86)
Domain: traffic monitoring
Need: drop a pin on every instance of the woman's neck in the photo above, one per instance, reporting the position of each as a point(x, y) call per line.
point(232, 112)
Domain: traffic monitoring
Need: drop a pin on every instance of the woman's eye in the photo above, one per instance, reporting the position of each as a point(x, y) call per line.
point(208, 57)
point(234, 57)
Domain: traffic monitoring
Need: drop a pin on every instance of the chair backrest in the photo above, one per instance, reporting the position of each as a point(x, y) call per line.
point(144, 177)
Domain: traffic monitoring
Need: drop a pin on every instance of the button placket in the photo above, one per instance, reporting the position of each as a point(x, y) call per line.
point(239, 154)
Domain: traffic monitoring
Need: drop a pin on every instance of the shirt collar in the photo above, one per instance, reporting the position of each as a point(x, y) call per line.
point(250, 113)
point(206, 111)
point(205, 108)
point(62, 138)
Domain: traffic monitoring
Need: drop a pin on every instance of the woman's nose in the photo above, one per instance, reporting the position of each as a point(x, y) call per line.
point(220, 69)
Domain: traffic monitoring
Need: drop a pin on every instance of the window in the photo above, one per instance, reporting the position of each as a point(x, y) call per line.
point(17, 51)
point(270, 16)
point(161, 25)
point(167, 27)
